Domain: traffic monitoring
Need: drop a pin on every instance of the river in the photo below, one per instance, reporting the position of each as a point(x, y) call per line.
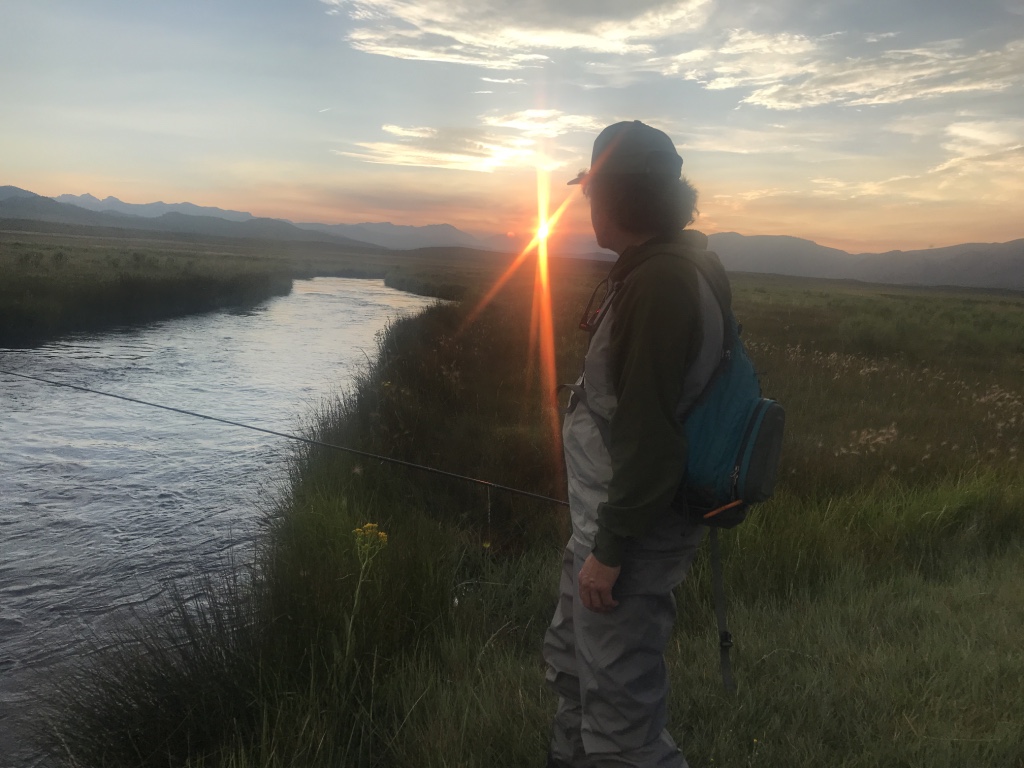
point(104, 503)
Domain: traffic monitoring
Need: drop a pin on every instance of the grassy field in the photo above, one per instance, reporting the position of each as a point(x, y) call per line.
point(54, 283)
point(876, 600)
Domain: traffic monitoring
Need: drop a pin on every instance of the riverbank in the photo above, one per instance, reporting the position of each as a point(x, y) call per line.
point(395, 619)
point(59, 283)
point(51, 289)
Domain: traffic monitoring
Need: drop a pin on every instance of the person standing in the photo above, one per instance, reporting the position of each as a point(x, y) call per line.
point(655, 339)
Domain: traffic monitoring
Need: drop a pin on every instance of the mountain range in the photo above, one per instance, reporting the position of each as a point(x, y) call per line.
point(976, 265)
point(383, 234)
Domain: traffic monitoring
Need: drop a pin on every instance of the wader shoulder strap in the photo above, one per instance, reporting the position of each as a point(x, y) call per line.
point(579, 395)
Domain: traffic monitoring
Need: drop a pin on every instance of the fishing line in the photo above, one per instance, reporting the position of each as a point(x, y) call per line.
point(308, 441)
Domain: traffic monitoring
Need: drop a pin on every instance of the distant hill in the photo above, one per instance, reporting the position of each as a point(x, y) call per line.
point(976, 265)
point(778, 254)
point(149, 210)
point(44, 209)
point(383, 234)
point(403, 237)
point(8, 192)
point(972, 265)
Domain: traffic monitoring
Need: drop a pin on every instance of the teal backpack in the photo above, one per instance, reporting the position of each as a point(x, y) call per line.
point(734, 438)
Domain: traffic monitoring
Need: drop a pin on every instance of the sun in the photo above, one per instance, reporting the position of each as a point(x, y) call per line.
point(542, 332)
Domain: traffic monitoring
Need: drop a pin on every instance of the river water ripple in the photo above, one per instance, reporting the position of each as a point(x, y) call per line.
point(104, 504)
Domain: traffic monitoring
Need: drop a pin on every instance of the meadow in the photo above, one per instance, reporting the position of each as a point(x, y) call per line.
point(393, 618)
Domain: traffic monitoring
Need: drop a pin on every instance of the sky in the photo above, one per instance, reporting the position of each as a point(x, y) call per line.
point(865, 125)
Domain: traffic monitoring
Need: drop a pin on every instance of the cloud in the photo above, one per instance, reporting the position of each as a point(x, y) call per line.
point(847, 189)
point(969, 144)
point(735, 199)
point(743, 59)
point(789, 72)
point(973, 139)
point(544, 123)
point(782, 70)
point(983, 160)
point(742, 42)
point(504, 81)
point(986, 156)
point(804, 143)
point(479, 155)
point(409, 133)
point(517, 139)
point(511, 34)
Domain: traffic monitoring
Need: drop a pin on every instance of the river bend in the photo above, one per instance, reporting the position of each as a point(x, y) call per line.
point(105, 503)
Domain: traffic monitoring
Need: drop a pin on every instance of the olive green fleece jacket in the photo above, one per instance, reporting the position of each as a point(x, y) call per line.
point(655, 337)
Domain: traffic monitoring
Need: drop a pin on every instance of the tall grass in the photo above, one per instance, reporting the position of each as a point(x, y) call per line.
point(52, 284)
point(50, 290)
point(875, 599)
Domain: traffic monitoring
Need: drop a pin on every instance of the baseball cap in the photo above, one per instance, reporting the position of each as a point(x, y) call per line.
point(632, 147)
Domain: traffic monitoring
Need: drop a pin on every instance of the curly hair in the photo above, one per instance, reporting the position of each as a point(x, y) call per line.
point(644, 204)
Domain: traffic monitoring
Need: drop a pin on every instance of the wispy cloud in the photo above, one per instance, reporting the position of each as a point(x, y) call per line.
point(763, 140)
point(482, 155)
point(780, 70)
point(543, 123)
point(510, 34)
point(505, 80)
point(982, 159)
point(847, 188)
point(409, 133)
point(743, 42)
point(789, 72)
point(735, 199)
point(974, 142)
point(985, 162)
point(517, 139)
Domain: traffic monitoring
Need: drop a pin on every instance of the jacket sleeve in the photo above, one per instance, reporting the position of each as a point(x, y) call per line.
point(655, 336)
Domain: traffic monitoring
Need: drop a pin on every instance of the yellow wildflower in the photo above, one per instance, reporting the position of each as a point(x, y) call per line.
point(369, 541)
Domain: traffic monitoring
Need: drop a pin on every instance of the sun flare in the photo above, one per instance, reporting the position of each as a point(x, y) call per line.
point(542, 332)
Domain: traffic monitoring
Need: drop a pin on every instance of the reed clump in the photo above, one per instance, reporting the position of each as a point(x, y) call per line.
point(49, 290)
point(54, 284)
point(875, 600)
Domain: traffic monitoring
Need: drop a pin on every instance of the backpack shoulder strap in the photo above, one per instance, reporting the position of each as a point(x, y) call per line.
point(716, 335)
point(706, 267)
point(723, 297)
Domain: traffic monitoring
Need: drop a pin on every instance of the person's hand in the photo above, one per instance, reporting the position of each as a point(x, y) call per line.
point(596, 581)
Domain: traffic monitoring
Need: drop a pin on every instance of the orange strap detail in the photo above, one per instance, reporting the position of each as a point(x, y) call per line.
point(730, 505)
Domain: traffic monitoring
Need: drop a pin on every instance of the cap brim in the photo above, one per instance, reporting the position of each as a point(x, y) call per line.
point(583, 175)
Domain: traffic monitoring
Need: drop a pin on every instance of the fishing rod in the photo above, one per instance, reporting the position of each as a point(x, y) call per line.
point(298, 438)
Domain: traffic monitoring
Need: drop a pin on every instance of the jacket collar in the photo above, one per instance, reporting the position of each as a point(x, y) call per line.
point(635, 255)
